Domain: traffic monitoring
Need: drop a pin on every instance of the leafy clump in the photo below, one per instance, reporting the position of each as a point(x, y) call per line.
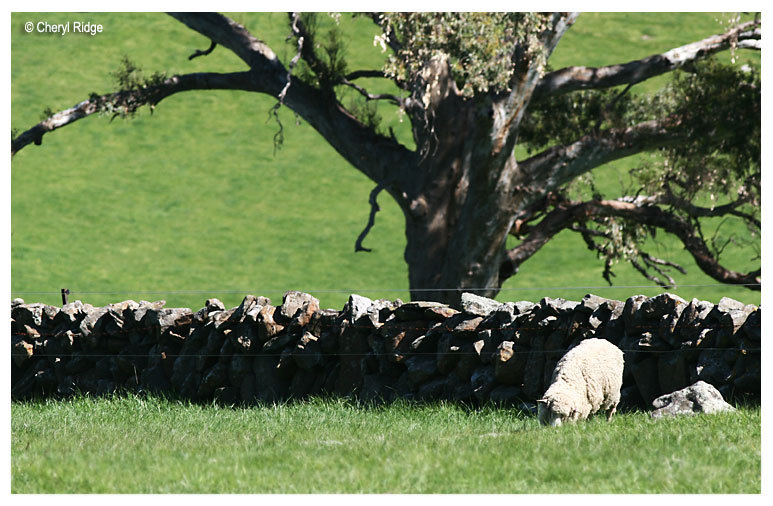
point(482, 49)
point(714, 170)
point(134, 90)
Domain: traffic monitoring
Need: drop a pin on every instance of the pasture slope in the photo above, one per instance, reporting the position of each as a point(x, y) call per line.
point(192, 202)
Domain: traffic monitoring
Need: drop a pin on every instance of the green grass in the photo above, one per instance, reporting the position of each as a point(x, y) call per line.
point(147, 445)
point(192, 202)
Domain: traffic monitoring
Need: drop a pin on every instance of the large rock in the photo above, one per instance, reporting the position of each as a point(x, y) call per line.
point(556, 307)
point(672, 371)
point(416, 310)
point(509, 363)
point(691, 321)
point(296, 302)
point(377, 388)
point(363, 312)
point(21, 351)
point(476, 305)
point(645, 376)
point(419, 369)
point(752, 327)
point(729, 315)
point(267, 326)
point(482, 382)
point(307, 353)
point(269, 385)
point(700, 397)
point(353, 346)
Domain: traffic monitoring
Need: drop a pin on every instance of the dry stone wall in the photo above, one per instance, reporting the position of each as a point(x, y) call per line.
point(378, 350)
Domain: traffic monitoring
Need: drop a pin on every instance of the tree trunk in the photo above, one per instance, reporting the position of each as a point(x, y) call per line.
point(459, 215)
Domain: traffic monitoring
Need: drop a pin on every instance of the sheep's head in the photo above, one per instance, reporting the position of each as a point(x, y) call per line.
point(550, 412)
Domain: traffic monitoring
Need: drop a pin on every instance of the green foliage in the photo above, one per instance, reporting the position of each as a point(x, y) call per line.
point(366, 111)
point(134, 90)
point(480, 46)
point(716, 106)
point(47, 113)
point(150, 445)
point(327, 65)
point(719, 108)
point(130, 77)
point(563, 119)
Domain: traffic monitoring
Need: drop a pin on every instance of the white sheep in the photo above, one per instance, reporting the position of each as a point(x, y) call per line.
point(586, 379)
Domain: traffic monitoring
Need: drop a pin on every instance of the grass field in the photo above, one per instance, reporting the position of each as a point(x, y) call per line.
point(192, 203)
point(147, 445)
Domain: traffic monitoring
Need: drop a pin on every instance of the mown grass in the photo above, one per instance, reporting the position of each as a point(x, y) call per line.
point(192, 202)
point(150, 445)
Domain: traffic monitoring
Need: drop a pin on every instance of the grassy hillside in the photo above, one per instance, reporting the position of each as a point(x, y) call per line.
point(137, 445)
point(192, 202)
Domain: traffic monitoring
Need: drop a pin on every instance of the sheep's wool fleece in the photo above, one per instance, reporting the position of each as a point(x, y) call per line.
point(587, 378)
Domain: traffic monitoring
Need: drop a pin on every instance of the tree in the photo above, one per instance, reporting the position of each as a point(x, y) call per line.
point(475, 86)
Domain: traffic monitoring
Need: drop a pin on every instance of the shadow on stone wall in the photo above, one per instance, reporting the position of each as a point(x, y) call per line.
point(378, 350)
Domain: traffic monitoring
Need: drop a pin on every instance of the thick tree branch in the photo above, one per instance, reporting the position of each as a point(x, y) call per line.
point(509, 112)
point(151, 95)
point(640, 211)
point(570, 79)
point(558, 165)
point(229, 34)
point(560, 218)
point(375, 155)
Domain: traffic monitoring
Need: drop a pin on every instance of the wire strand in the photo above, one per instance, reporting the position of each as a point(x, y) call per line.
point(370, 290)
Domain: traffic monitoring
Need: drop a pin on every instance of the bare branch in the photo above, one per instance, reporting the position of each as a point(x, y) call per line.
point(357, 74)
point(686, 232)
point(750, 44)
point(694, 211)
point(369, 96)
point(640, 211)
point(293, 62)
point(205, 52)
point(582, 78)
point(374, 208)
point(563, 216)
point(644, 272)
point(377, 156)
point(151, 96)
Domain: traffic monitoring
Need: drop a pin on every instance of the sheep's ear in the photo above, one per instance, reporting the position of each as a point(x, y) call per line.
point(542, 401)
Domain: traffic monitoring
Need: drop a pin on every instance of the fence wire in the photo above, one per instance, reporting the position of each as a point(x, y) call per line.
point(372, 290)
